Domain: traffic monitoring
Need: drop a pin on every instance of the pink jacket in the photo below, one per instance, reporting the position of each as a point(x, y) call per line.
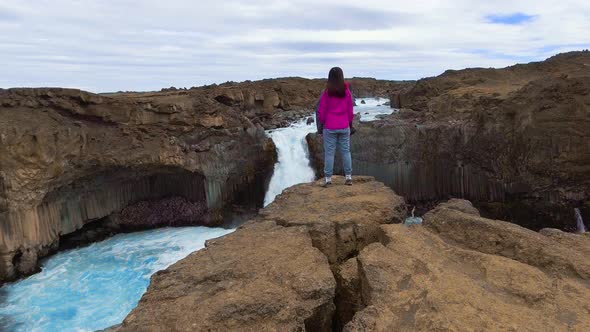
point(336, 113)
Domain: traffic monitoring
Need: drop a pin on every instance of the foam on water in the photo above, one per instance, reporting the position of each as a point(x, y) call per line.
point(95, 287)
point(293, 165)
point(370, 111)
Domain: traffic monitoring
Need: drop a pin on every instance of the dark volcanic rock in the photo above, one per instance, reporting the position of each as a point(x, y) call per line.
point(173, 211)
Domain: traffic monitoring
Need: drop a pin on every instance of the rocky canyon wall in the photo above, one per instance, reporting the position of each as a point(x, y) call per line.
point(516, 141)
point(69, 157)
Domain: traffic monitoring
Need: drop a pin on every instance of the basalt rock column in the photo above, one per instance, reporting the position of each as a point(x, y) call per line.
point(69, 158)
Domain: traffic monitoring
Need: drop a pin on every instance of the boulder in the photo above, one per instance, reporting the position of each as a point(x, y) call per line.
point(571, 240)
point(271, 100)
point(230, 97)
point(461, 272)
point(261, 277)
point(496, 237)
point(460, 205)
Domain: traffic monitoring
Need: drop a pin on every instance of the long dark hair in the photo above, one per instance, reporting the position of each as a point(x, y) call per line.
point(336, 85)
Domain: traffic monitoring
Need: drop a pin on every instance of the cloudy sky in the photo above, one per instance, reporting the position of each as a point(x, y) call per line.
point(146, 45)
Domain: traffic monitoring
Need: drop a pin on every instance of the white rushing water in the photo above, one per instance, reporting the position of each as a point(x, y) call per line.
point(95, 287)
point(293, 160)
point(581, 228)
point(372, 108)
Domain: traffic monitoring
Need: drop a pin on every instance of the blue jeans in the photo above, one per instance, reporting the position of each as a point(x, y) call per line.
point(340, 137)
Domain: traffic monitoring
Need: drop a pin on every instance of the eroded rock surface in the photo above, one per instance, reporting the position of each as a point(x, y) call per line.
point(276, 272)
point(461, 272)
point(456, 272)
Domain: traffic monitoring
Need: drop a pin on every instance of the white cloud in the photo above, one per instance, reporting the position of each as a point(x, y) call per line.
point(146, 45)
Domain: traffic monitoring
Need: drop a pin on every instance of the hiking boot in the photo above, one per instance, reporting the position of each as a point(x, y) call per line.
point(348, 182)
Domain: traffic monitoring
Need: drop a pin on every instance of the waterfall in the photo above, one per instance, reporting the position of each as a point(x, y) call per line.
point(293, 165)
point(580, 227)
point(293, 160)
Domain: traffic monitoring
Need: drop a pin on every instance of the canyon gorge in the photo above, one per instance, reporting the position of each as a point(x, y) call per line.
point(71, 159)
point(495, 161)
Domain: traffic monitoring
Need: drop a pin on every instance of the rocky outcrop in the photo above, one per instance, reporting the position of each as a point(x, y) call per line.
point(275, 272)
point(320, 259)
point(512, 140)
point(341, 219)
point(463, 272)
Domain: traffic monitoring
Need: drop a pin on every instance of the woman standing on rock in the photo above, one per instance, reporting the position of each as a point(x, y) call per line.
point(335, 116)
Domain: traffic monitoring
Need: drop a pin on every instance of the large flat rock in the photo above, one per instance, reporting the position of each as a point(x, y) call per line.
point(263, 277)
point(342, 219)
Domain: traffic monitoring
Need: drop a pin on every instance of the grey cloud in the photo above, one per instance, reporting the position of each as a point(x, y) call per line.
point(108, 45)
point(327, 47)
point(330, 17)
